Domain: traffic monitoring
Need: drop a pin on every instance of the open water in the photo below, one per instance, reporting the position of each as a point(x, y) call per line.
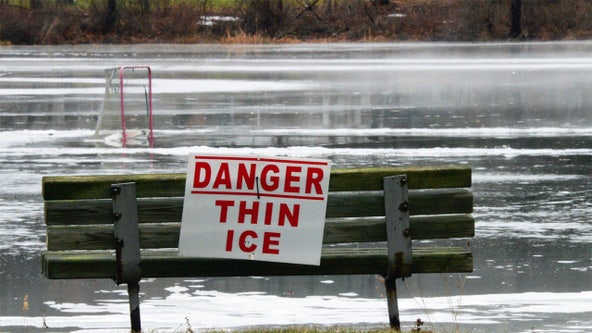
point(519, 114)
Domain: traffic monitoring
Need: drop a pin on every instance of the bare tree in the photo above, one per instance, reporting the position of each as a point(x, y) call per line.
point(110, 15)
point(145, 5)
point(516, 17)
point(329, 7)
point(263, 16)
point(36, 4)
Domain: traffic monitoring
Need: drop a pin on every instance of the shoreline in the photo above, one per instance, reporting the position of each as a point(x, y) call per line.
point(287, 22)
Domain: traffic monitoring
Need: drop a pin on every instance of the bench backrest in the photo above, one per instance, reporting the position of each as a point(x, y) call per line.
point(78, 215)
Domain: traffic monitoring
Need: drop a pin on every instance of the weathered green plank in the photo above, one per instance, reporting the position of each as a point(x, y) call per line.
point(373, 229)
point(350, 230)
point(101, 237)
point(340, 204)
point(368, 179)
point(442, 260)
point(449, 201)
point(425, 202)
point(166, 185)
point(99, 211)
point(98, 187)
point(59, 265)
point(442, 226)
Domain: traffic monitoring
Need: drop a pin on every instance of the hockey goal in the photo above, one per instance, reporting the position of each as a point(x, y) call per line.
point(125, 118)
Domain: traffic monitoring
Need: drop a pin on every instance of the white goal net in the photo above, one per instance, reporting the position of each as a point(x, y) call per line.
point(125, 118)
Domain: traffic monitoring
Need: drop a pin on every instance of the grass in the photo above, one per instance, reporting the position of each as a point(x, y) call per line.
point(307, 329)
point(311, 330)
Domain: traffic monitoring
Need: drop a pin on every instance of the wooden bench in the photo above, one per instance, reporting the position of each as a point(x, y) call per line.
point(372, 216)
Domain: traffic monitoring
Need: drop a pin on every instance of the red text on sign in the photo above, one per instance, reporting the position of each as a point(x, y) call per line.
point(248, 241)
point(245, 176)
point(250, 210)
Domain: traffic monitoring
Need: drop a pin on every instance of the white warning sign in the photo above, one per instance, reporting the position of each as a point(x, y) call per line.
point(258, 208)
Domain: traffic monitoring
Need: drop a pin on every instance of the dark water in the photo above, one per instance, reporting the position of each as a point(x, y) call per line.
point(518, 114)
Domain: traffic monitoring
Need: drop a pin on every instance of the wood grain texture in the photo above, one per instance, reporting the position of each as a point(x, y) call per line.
point(339, 204)
point(80, 234)
point(171, 185)
point(337, 230)
point(101, 264)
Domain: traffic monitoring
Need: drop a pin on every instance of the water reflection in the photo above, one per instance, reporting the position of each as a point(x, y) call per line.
point(518, 114)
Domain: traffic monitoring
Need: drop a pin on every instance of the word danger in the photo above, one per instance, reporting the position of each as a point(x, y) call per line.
point(297, 179)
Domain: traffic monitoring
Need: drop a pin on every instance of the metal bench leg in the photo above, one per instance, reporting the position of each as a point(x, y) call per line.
point(393, 305)
point(127, 247)
point(133, 291)
point(398, 233)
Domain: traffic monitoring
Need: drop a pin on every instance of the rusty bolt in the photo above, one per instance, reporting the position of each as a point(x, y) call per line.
point(404, 206)
point(115, 190)
point(403, 181)
point(407, 232)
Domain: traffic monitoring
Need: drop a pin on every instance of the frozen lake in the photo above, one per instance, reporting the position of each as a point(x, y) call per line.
point(519, 114)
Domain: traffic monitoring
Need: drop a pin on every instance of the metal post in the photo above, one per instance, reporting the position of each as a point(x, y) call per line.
point(398, 232)
point(127, 246)
point(393, 306)
point(133, 292)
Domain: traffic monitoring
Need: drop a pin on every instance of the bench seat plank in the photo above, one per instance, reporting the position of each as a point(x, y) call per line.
point(337, 230)
point(173, 185)
point(340, 204)
point(334, 261)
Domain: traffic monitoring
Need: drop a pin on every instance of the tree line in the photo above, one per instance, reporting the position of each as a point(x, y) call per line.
point(191, 21)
